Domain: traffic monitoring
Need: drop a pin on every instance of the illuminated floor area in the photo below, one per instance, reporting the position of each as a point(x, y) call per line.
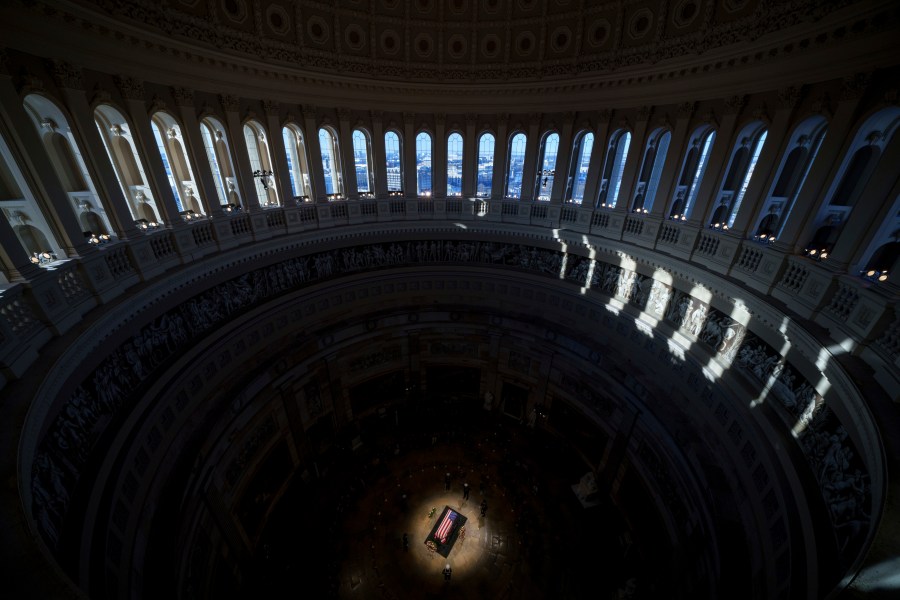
point(341, 536)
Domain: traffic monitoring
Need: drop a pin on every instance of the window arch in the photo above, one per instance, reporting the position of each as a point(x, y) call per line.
point(454, 164)
point(261, 163)
point(546, 166)
point(485, 168)
point(516, 165)
point(298, 165)
point(23, 213)
point(68, 163)
point(802, 147)
point(362, 161)
point(578, 166)
point(692, 171)
point(863, 156)
point(423, 164)
point(169, 140)
point(119, 143)
point(393, 156)
point(331, 163)
point(613, 169)
point(218, 154)
point(651, 170)
point(740, 170)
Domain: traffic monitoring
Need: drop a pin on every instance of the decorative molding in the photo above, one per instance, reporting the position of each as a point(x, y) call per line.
point(230, 102)
point(854, 86)
point(271, 107)
point(735, 104)
point(789, 96)
point(644, 112)
point(686, 109)
point(183, 96)
point(130, 88)
point(66, 75)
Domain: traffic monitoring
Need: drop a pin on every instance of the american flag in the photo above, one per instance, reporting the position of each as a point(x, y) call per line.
point(446, 526)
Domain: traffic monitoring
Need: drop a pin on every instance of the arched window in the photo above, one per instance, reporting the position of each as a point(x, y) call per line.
point(423, 164)
point(219, 156)
point(613, 168)
point(119, 144)
point(393, 156)
point(578, 166)
point(862, 157)
point(261, 163)
point(331, 163)
point(485, 174)
point(546, 166)
point(298, 166)
point(68, 163)
point(802, 148)
point(516, 165)
point(739, 173)
point(170, 142)
point(454, 164)
point(22, 212)
point(362, 160)
point(651, 170)
point(695, 161)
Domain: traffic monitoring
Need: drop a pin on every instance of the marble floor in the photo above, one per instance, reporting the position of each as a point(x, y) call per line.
point(340, 536)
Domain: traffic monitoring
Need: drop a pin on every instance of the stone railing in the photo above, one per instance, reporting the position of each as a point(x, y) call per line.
point(808, 289)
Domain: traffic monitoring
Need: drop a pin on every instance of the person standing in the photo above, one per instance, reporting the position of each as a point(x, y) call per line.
point(447, 570)
point(465, 491)
point(483, 507)
point(447, 482)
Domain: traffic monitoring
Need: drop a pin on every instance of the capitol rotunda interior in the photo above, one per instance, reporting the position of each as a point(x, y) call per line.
point(397, 299)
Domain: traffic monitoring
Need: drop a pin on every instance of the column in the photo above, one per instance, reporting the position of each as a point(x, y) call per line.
point(800, 225)
point(529, 172)
point(196, 151)
point(409, 156)
point(243, 172)
point(439, 157)
point(16, 261)
point(315, 152)
point(44, 181)
point(345, 143)
point(718, 160)
point(598, 156)
point(69, 79)
point(470, 157)
point(766, 168)
point(563, 158)
point(501, 152)
point(279, 153)
point(872, 202)
point(677, 151)
point(633, 161)
point(379, 153)
point(133, 92)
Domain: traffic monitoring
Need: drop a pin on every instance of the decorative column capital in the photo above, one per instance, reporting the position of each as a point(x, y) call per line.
point(735, 103)
point(230, 102)
point(686, 109)
point(343, 113)
point(604, 115)
point(131, 88)
point(66, 75)
point(309, 111)
point(270, 107)
point(376, 115)
point(854, 86)
point(644, 113)
point(183, 96)
point(789, 96)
